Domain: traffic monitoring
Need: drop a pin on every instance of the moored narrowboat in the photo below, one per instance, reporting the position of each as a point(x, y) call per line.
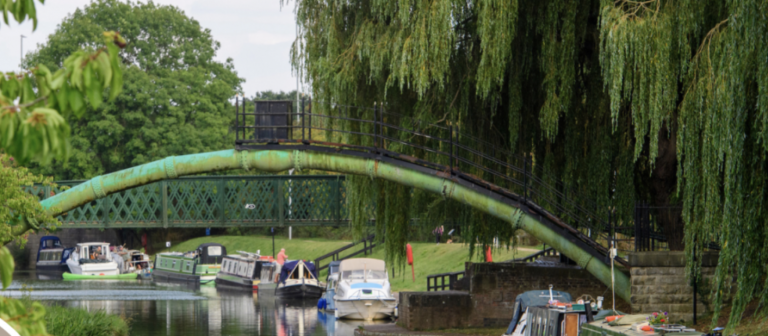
point(200, 265)
point(298, 280)
point(242, 271)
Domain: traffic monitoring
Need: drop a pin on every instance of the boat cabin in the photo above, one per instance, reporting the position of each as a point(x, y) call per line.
point(211, 253)
point(246, 265)
point(94, 252)
point(362, 269)
point(51, 255)
point(297, 270)
point(268, 272)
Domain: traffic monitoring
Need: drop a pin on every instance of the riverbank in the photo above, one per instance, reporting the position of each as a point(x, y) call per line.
point(429, 258)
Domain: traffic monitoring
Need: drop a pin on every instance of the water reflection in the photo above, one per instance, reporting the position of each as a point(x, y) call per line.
point(159, 308)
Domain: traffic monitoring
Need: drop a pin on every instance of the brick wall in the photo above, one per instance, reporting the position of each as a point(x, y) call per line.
point(490, 296)
point(434, 310)
point(659, 283)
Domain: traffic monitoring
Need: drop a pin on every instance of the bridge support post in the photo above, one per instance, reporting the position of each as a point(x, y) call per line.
point(280, 203)
point(222, 197)
point(164, 194)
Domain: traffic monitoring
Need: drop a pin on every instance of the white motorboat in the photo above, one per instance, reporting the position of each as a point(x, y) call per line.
point(363, 291)
point(92, 259)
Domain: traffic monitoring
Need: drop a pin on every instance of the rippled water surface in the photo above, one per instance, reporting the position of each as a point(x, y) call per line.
point(160, 308)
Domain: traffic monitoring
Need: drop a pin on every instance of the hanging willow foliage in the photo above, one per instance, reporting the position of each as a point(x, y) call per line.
point(623, 101)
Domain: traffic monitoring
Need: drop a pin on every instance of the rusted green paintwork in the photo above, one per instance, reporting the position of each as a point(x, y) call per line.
point(275, 161)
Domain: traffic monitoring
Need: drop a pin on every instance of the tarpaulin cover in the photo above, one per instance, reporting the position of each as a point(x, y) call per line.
point(290, 265)
point(533, 298)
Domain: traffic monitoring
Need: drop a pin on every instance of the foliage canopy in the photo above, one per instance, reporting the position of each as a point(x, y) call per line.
point(176, 97)
point(660, 101)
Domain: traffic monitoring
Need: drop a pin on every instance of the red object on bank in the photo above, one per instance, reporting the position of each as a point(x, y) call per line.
point(488, 256)
point(409, 255)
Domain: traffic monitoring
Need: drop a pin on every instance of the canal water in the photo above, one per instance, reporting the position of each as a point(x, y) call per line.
point(158, 308)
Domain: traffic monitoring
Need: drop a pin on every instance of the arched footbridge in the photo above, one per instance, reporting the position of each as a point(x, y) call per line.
point(383, 145)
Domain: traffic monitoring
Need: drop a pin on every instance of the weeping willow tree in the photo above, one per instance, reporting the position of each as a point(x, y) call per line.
point(653, 100)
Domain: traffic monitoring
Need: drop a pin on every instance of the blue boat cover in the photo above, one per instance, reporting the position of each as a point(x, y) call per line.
point(290, 265)
point(532, 299)
point(56, 242)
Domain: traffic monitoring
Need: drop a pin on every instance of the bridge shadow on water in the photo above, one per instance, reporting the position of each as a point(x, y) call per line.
point(157, 308)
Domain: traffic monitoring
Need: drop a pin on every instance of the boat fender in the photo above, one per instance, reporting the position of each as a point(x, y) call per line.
point(321, 304)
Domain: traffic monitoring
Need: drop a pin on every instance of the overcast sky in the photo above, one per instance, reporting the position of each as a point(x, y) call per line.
point(256, 34)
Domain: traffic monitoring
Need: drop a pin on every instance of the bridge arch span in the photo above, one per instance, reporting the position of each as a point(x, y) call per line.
point(337, 161)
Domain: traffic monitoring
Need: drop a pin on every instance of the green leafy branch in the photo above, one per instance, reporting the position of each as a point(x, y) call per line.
point(32, 103)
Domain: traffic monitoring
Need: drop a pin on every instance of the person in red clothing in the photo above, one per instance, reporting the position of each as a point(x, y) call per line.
point(281, 257)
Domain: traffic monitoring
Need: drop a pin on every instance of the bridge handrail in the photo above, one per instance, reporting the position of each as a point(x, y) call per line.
point(453, 277)
point(385, 134)
point(368, 243)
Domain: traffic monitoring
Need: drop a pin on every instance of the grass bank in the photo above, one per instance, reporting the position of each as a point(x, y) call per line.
point(65, 321)
point(429, 258)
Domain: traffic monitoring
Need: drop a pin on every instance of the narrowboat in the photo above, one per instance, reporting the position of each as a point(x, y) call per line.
point(52, 256)
point(242, 271)
point(94, 261)
point(298, 280)
point(363, 290)
point(200, 265)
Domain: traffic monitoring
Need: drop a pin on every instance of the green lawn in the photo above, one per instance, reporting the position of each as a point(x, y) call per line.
point(429, 258)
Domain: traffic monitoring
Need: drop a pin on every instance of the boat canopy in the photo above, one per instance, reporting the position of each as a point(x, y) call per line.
point(362, 263)
point(211, 253)
point(49, 242)
point(363, 269)
point(288, 267)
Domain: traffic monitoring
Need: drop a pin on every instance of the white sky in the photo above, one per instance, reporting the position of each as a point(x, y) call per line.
point(256, 34)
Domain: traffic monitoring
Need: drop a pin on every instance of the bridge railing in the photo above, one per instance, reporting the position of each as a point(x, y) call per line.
point(220, 201)
point(438, 145)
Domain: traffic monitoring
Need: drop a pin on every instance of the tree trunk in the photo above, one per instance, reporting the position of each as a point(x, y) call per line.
point(663, 184)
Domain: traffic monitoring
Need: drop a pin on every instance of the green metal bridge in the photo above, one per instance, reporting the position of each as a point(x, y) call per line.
point(369, 142)
point(212, 201)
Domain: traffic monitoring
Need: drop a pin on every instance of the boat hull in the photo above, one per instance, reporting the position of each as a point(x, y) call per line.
point(362, 309)
point(70, 276)
point(299, 291)
point(183, 277)
point(53, 268)
point(244, 284)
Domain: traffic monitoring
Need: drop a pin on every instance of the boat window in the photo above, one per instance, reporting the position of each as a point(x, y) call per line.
point(360, 275)
point(189, 265)
point(214, 250)
point(224, 265)
point(174, 264)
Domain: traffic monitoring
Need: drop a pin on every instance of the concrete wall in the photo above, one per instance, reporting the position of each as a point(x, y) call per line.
point(658, 283)
point(490, 298)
